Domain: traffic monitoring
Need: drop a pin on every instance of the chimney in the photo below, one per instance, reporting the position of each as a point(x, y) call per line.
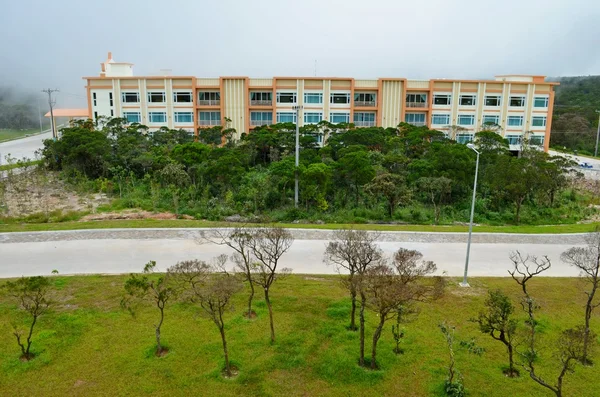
point(109, 55)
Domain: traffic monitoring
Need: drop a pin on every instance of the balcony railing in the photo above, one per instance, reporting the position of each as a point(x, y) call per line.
point(416, 104)
point(210, 122)
point(417, 123)
point(258, 123)
point(209, 102)
point(261, 103)
point(364, 123)
point(364, 103)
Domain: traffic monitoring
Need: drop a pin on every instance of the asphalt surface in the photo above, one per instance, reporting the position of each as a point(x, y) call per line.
point(23, 148)
point(124, 251)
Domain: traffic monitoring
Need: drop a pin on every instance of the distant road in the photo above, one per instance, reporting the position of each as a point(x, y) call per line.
point(24, 147)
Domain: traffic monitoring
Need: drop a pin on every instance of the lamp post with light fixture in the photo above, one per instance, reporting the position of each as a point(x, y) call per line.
point(464, 282)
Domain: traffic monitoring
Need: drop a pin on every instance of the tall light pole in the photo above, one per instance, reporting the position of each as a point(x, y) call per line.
point(464, 282)
point(51, 102)
point(297, 109)
point(597, 134)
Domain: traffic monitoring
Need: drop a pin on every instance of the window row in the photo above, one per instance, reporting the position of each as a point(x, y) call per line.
point(178, 117)
point(361, 119)
point(489, 100)
point(335, 98)
point(156, 97)
point(469, 120)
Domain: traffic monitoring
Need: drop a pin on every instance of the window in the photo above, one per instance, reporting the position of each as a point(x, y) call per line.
point(286, 97)
point(110, 98)
point(179, 97)
point(363, 119)
point(312, 118)
point(491, 119)
point(515, 121)
point(364, 99)
point(466, 119)
point(336, 118)
point(157, 117)
point(261, 98)
point(416, 100)
point(156, 97)
point(261, 118)
point(417, 119)
point(112, 113)
point(467, 100)
point(209, 98)
point(517, 101)
point(338, 98)
point(132, 117)
point(313, 98)
point(184, 117)
point(210, 118)
point(513, 139)
point(286, 117)
point(493, 100)
point(538, 121)
point(94, 96)
point(464, 138)
point(130, 97)
point(442, 99)
point(440, 119)
point(95, 115)
point(540, 102)
point(536, 140)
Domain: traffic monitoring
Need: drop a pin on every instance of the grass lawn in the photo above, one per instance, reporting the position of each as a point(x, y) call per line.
point(7, 135)
point(88, 346)
point(10, 226)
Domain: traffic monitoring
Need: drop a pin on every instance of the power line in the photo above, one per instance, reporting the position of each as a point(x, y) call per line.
point(51, 102)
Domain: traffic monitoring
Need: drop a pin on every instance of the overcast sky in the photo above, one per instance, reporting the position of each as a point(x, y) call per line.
point(55, 43)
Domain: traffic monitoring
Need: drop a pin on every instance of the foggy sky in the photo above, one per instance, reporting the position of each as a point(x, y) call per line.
point(55, 43)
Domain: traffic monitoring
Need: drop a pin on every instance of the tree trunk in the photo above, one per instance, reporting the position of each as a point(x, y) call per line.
point(363, 300)
point(586, 333)
point(29, 337)
point(225, 352)
point(162, 317)
point(518, 210)
point(376, 337)
point(270, 315)
point(511, 364)
point(353, 312)
point(251, 294)
point(391, 207)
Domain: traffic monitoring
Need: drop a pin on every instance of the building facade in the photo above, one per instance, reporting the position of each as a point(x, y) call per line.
point(520, 104)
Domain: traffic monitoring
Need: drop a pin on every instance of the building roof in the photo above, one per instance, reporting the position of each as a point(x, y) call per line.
point(69, 113)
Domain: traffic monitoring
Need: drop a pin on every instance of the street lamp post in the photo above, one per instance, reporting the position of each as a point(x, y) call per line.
point(597, 134)
point(464, 282)
point(297, 109)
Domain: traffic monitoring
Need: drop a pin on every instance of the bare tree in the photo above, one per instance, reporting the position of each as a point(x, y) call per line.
point(158, 290)
point(31, 294)
point(454, 384)
point(405, 313)
point(351, 251)
point(239, 240)
point(587, 260)
point(267, 246)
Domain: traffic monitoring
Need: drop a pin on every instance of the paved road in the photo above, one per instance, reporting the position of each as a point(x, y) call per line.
point(25, 147)
point(123, 251)
point(588, 173)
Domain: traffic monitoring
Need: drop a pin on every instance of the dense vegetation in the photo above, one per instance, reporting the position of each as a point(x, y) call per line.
point(17, 111)
point(575, 119)
point(406, 174)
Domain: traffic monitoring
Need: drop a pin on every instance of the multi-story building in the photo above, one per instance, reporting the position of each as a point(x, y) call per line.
point(520, 104)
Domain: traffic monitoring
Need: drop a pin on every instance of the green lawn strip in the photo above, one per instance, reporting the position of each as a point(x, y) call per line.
point(11, 135)
point(6, 167)
point(8, 226)
point(88, 345)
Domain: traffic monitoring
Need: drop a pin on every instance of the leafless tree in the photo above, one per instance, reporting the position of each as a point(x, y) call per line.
point(587, 260)
point(267, 246)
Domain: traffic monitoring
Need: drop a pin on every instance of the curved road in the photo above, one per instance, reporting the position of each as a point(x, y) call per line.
point(127, 250)
point(23, 148)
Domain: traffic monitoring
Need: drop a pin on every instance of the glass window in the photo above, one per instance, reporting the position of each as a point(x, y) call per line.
point(364, 119)
point(261, 118)
point(515, 121)
point(156, 97)
point(442, 99)
point(440, 119)
point(339, 98)
point(538, 121)
point(130, 97)
point(184, 117)
point(182, 97)
point(286, 97)
point(517, 101)
point(263, 98)
point(313, 97)
point(94, 97)
point(464, 138)
point(210, 118)
point(209, 96)
point(513, 139)
point(415, 118)
point(466, 119)
point(364, 99)
point(312, 117)
point(336, 118)
point(157, 117)
point(540, 102)
point(132, 117)
point(416, 98)
point(467, 100)
point(491, 119)
point(536, 140)
point(110, 98)
point(286, 117)
point(493, 100)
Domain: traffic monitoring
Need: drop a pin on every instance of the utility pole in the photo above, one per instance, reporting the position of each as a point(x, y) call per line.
point(51, 102)
point(597, 134)
point(297, 109)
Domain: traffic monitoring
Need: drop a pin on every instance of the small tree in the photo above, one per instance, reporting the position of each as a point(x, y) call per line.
point(587, 260)
point(31, 294)
point(159, 291)
point(392, 187)
point(405, 313)
point(267, 246)
point(497, 322)
point(453, 385)
point(436, 190)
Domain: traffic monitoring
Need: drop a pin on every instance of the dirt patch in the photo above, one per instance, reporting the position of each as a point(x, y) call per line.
point(79, 383)
point(163, 352)
point(316, 278)
point(250, 316)
point(133, 214)
point(467, 291)
point(234, 372)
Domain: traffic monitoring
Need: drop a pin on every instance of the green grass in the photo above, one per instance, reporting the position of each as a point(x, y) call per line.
point(88, 346)
point(6, 167)
point(8, 225)
point(9, 135)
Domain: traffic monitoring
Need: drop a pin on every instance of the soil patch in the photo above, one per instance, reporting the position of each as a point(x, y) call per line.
point(250, 316)
point(234, 372)
point(163, 352)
